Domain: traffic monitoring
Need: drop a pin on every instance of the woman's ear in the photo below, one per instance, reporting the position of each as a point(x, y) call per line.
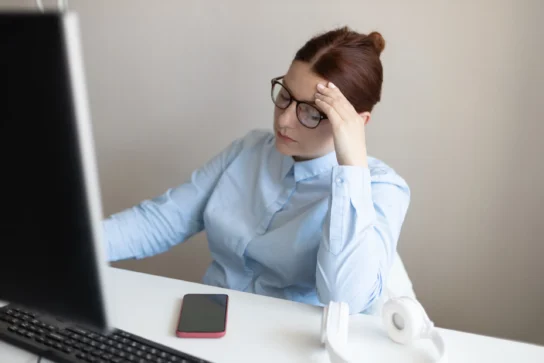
point(366, 116)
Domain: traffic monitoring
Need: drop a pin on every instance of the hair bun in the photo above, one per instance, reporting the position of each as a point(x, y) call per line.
point(378, 41)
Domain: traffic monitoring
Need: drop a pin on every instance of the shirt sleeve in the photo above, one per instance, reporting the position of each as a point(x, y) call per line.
point(153, 226)
point(360, 235)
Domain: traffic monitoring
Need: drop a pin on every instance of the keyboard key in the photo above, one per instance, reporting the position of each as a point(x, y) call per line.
point(78, 331)
point(57, 337)
point(79, 346)
point(112, 350)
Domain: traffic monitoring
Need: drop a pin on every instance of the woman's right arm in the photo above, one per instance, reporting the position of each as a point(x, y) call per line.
point(153, 226)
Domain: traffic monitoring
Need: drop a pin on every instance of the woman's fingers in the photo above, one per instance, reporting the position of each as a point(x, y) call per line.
point(330, 90)
point(334, 97)
point(327, 99)
point(332, 115)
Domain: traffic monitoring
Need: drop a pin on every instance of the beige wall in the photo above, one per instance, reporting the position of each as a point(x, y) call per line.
point(172, 82)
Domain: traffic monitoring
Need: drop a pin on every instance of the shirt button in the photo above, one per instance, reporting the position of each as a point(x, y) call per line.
point(339, 181)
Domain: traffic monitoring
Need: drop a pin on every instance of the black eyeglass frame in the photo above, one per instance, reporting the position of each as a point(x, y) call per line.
point(275, 81)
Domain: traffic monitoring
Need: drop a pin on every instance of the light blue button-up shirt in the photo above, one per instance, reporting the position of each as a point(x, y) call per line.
point(310, 231)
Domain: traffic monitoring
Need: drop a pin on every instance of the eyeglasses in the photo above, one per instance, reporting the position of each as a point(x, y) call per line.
point(307, 114)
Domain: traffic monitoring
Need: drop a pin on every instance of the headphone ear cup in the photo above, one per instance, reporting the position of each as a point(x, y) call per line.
point(428, 325)
point(404, 319)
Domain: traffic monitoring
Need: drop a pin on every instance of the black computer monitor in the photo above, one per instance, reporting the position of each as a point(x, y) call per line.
point(51, 253)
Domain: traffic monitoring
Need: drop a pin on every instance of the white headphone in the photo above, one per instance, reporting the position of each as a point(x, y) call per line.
point(404, 318)
point(61, 4)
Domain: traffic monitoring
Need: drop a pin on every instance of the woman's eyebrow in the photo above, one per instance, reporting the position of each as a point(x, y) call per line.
point(291, 92)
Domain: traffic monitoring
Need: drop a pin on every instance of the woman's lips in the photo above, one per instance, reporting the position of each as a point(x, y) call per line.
point(284, 138)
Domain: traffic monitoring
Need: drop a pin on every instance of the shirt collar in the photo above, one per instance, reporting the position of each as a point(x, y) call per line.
point(308, 168)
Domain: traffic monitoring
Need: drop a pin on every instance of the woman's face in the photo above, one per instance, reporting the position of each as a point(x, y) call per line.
point(292, 138)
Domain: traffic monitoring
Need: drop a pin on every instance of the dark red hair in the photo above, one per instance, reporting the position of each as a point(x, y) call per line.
point(351, 61)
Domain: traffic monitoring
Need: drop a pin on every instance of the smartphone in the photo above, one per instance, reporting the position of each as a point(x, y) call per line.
point(203, 316)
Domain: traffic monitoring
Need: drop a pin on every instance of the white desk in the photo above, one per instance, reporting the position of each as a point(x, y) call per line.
point(262, 329)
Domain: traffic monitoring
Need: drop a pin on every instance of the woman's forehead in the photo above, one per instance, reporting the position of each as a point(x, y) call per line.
point(302, 81)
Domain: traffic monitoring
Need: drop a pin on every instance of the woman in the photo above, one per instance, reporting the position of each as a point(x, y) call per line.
point(301, 213)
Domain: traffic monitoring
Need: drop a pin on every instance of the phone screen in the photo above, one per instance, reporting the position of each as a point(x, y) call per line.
point(203, 313)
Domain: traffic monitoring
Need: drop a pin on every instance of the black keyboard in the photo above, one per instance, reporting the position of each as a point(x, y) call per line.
point(65, 342)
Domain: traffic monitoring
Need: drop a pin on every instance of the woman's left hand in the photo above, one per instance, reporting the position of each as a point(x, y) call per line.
point(348, 126)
